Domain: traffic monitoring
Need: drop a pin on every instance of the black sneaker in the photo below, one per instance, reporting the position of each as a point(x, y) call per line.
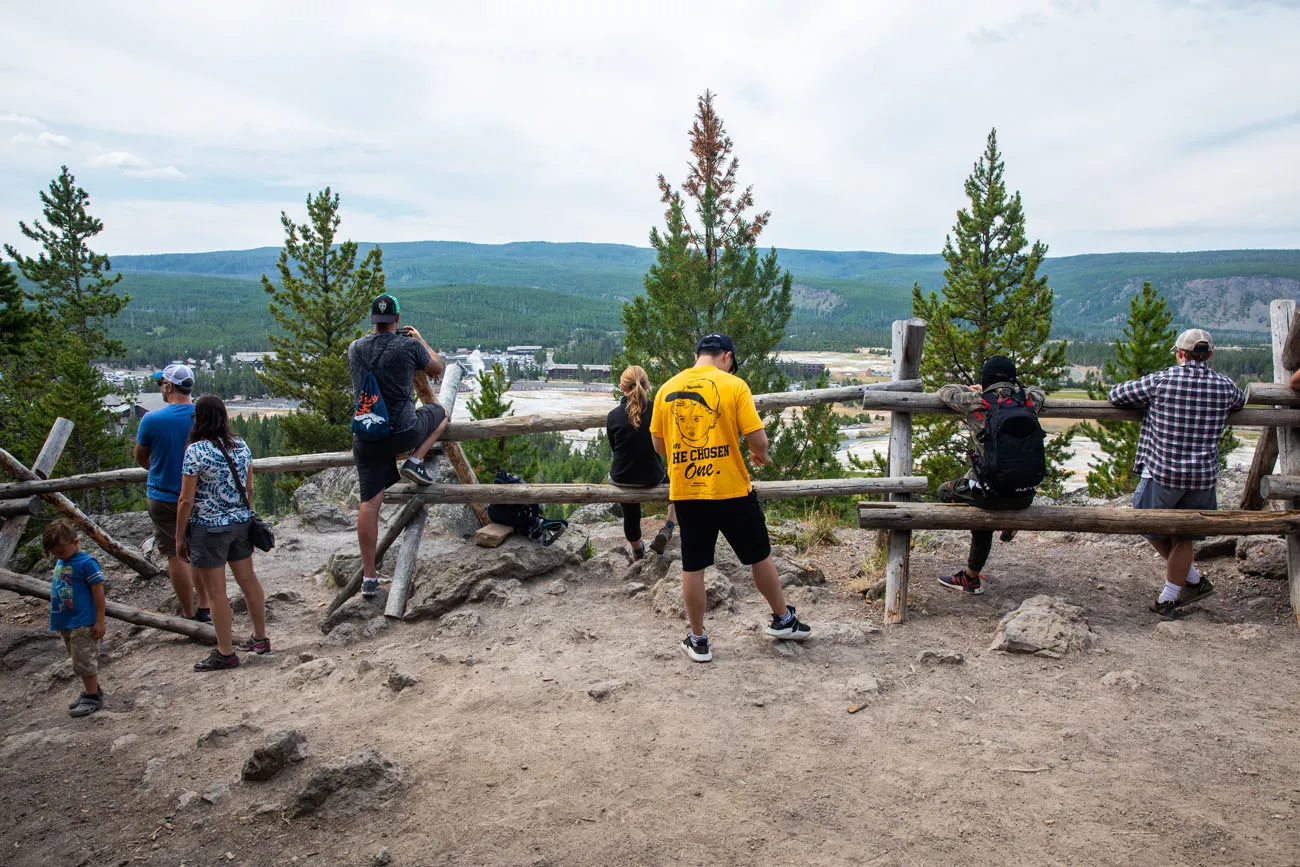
point(255, 645)
point(369, 587)
point(76, 701)
point(1165, 610)
point(1194, 592)
point(788, 627)
point(413, 472)
point(217, 661)
point(87, 704)
point(660, 544)
point(697, 648)
point(638, 554)
point(959, 580)
point(202, 615)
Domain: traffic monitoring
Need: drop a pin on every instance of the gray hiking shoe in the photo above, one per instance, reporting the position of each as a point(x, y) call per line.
point(85, 705)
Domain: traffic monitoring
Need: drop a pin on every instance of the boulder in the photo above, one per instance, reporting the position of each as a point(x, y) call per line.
point(1044, 623)
point(798, 572)
point(337, 485)
point(666, 595)
point(270, 758)
point(400, 680)
point(597, 513)
point(1262, 557)
point(223, 736)
point(459, 571)
point(1215, 546)
point(606, 688)
point(132, 528)
point(314, 670)
point(326, 517)
point(357, 610)
point(350, 785)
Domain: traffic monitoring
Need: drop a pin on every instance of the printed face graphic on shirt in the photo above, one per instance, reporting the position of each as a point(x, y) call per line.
point(695, 409)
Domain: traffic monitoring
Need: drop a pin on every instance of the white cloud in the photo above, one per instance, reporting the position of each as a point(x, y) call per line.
point(116, 159)
point(53, 140)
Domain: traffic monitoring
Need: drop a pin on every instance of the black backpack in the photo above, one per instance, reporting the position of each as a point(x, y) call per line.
point(1014, 461)
point(526, 518)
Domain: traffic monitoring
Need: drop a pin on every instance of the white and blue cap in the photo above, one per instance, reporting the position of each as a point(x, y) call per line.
point(178, 375)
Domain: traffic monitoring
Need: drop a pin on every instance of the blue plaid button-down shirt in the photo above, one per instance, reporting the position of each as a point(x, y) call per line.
point(1187, 408)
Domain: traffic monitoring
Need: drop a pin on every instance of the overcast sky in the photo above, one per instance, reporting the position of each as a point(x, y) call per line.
point(1125, 124)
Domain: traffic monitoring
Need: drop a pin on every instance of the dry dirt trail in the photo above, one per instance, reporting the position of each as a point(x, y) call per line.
point(555, 722)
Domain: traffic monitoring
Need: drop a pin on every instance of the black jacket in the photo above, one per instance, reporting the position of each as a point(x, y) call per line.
point(635, 461)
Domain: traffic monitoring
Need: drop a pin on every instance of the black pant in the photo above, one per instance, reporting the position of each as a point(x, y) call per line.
point(631, 521)
point(981, 541)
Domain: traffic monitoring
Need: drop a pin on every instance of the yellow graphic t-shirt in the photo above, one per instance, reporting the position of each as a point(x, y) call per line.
point(701, 414)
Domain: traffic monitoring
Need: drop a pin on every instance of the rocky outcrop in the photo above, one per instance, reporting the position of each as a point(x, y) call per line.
point(1044, 624)
point(1262, 557)
point(349, 785)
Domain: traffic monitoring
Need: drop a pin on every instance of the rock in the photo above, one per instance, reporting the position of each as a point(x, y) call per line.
point(1262, 557)
point(596, 513)
point(382, 858)
point(121, 743)
point(1044, 623)
point(216, 792)
point(459, 572)
point(326, 517)
point(186, 800)
point(342, 565)
point(54, 673)
point(1172, 630)
point(1215, 546)
point(605, 689)
point(400, 680)
point(634, 588)
point(357, 610)
point(863, 687)
point(666, 595)
point(555, 588)
point(854, 634)
point(940, 657)
point(314, 670)
point(1126, 679)
point(459, 624)
point(290, 596)
point(224, 736)
point(336, 485)
point(344, 786)
point(154, 770)
point(133, 528)
point(798, 572)
point(1246, 631)
point(342, 634)
point(270, 758)
point(502, 593)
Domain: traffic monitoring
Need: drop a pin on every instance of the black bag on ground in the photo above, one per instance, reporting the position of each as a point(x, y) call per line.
point(1015, 461)
point(526, 518)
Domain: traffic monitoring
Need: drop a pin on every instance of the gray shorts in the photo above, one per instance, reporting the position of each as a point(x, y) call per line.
point(214, 547)
point(1150, 494)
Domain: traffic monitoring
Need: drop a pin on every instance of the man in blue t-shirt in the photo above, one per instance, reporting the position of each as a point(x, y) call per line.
point(159, 447)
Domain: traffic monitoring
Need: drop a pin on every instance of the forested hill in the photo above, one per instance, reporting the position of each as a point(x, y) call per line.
point(842, 298)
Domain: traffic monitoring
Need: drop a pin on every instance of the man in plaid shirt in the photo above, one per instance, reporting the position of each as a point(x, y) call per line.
point(1187, 407)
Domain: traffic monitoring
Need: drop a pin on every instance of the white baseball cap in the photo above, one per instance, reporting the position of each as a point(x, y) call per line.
point(176, 374)
point(1192, 339)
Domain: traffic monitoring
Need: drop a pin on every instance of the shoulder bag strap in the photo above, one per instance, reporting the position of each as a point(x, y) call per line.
point(234, 472)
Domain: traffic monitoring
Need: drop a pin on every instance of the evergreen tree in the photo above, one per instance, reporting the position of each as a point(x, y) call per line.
point(803, 448)
point(71, 286)
point(994, 303)
point(319, 310)
point(1143, 349)
point(708, 275)
point(17, 322)
point(516, 454)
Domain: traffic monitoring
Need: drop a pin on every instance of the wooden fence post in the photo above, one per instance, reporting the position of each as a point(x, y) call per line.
point(1285, 344)
point(909, 341)
point(12, 532)
point(407, 555)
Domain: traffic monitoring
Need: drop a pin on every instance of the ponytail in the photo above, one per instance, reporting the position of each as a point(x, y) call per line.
point(636, 385)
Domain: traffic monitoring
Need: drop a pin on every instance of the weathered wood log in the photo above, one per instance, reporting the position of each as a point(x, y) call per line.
point(1077, 519)
point(403, 517)
point(38, 589)
point(1278, 487)
point(908, 342)
point(1272, 394)
point(1261, 464)
point(16, 508)
point(581, 493)
point(1282, 316)
point(465, 473)
point(12, 531)
point(124, 553)
point(407, 554)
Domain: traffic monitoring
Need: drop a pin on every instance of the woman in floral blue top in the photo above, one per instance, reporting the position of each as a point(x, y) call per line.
point(212, 523)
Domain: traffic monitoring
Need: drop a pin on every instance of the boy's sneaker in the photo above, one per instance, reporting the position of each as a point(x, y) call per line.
point(788, 626)
point(413, 472)
point(202, 615)
point(369, 587)
point(1194, 592)
point(255, 645)
point(660, 544)
point(85, 705)
point(76, 701)
point(1165, 610)
point(217, 661)
point(697, 648)
point(959, 580)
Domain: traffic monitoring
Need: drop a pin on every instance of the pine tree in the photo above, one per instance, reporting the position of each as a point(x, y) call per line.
point(804, 447)
point(320, 310)
point(71, 286)
point(516, 454)
point(708, 275)
point(994, 303)
point(1143, 349)
point(17, 322)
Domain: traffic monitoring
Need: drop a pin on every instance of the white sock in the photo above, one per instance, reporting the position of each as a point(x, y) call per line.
point(1170, 593)
point(697, 638)
point(416, 461)
point(1193, 576)
point(369, 577)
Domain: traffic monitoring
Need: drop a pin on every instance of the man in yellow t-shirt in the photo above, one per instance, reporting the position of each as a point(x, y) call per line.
point(700, 416)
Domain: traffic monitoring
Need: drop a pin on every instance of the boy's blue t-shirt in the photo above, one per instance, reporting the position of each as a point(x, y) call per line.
point(164, 432)
point(71, 604)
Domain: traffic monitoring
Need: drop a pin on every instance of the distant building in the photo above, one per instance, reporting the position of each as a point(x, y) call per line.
point(254, 358)
point(520, 351)
point(594, 372)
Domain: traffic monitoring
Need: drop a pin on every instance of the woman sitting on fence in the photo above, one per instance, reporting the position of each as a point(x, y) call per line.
point(214, 507)
point(636, 465)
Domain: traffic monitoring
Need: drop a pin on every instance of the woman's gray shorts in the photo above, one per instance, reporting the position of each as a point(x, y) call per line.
point(214, 547)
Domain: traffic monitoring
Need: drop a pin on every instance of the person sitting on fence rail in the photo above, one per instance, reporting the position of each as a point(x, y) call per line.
point(391, 355)
point(1007, 458)
point(77, 610)
point(636, 464)
point(700, 414)
point(159, 448)
point(1187, 408)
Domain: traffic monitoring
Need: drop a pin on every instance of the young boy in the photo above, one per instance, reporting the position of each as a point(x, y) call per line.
point(77, 611)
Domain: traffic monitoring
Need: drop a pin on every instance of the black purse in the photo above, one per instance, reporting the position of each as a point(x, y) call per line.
point(259, 531)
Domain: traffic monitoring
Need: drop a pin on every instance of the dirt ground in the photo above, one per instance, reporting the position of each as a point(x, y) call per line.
point(1190, 755)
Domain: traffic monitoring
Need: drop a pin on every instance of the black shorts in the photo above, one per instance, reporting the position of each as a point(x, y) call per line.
point(377, 461)
point(740, 520)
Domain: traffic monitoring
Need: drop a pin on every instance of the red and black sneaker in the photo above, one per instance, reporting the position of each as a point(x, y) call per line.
point(959, 580)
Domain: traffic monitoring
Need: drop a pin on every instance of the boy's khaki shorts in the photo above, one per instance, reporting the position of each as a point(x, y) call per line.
point(83, 650)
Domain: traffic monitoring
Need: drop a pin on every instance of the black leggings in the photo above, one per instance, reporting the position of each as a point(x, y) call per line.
point(632, 521)
point(981, 543)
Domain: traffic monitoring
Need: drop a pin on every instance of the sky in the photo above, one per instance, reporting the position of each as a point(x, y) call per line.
point(1125, 124)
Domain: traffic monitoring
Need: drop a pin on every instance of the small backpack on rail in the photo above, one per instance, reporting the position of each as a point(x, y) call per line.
point(526, 518)
point(1015, 461)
